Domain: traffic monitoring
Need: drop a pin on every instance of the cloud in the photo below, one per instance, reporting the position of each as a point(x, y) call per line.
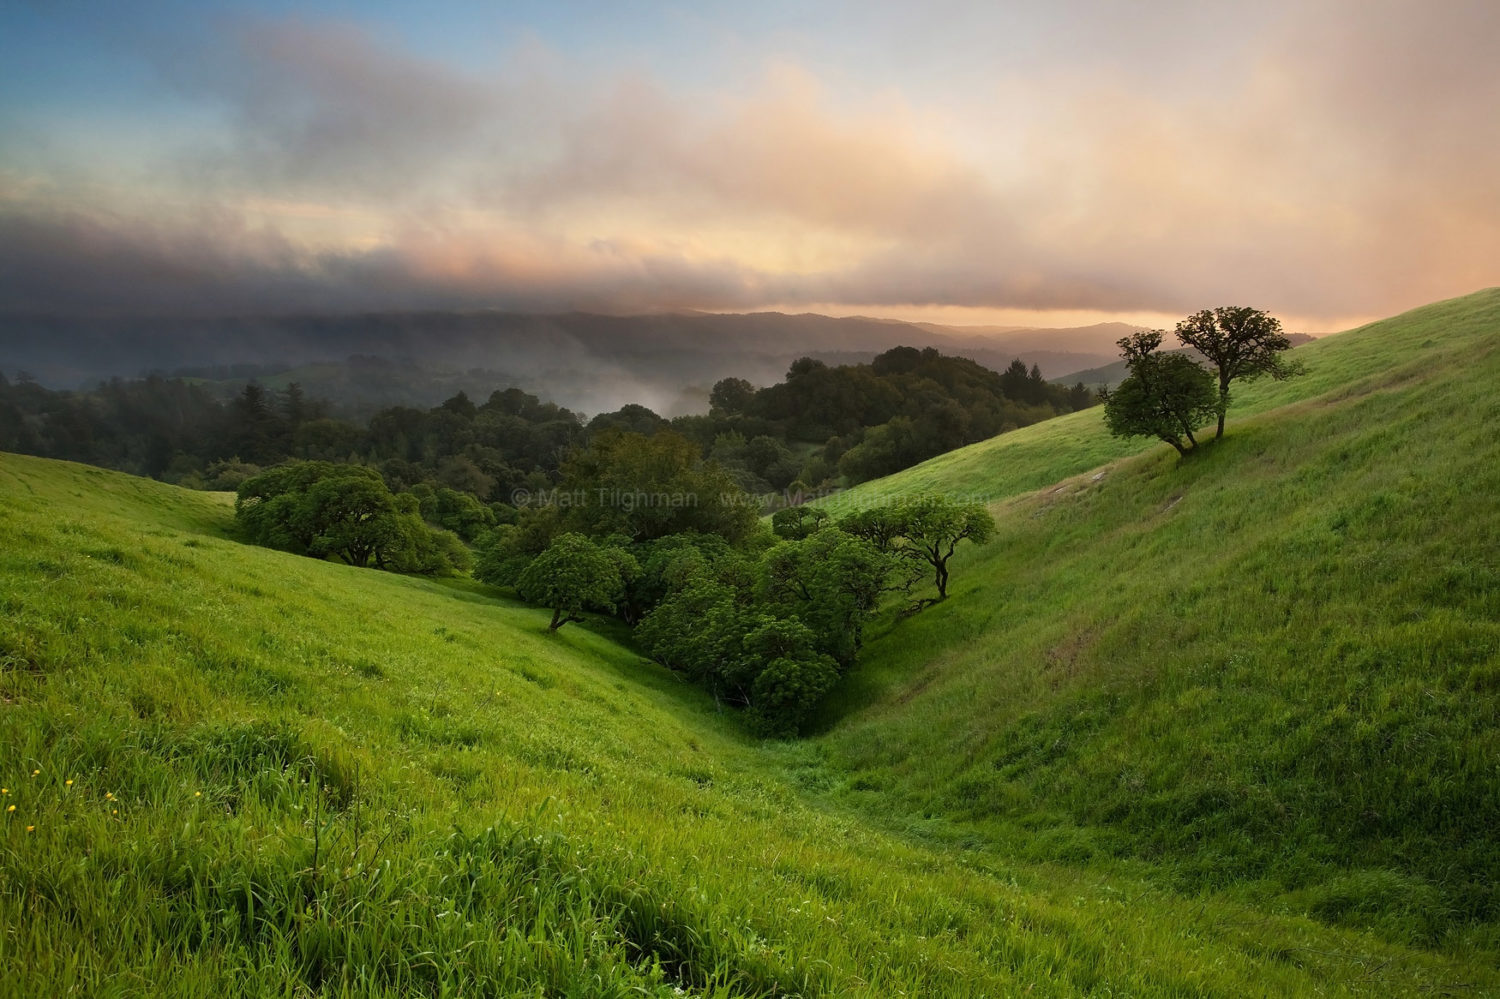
point(1336, 159)
point(326, 107)
point(212, 264)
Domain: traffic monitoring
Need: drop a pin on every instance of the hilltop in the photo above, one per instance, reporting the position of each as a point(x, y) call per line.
point(1448, 337)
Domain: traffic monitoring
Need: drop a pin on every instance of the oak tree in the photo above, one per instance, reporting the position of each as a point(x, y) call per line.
point(1239, 342)
point(1166, 395)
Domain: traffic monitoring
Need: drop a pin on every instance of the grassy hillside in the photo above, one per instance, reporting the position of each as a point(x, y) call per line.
point(1271, 669)
point(1445, 333)
point(240, 772)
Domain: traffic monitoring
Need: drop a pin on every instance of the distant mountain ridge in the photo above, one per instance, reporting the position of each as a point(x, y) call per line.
point(585, 361)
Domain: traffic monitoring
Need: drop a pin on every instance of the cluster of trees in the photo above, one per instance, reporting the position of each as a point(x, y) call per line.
point(861, 421)
point(622, 485)
point(324, 510)
point(1169, 395)
point(765, 620)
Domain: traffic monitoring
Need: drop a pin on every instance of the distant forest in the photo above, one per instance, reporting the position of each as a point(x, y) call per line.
point(821, 427)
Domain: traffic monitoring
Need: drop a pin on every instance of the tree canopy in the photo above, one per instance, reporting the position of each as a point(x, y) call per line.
point(1239, 342)
point(1166, 395)
point(924, 529)
point(573, 575)
point(323, 509)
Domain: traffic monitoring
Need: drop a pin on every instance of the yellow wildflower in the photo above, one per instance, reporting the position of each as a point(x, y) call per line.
point(12, 808)
point(30, 828)
point(68, 783)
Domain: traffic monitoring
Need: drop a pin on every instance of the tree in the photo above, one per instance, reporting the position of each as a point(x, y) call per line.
point(351, 516)
point(878, 525)
point(267, 505)
point(1239, 342)
point(772, 460)
point(506, 551)
point(649, 487)
point(456, 511)
point(1036, 385)
point(698, 628)
point(794, 523)
point(730, 396)
point(256, 431)
point(1165, 395)
point(832, 582)
point(418, 548)
point(574, 574)
point(629, 418)
point(932, 527)
point(664, 565)
point(320, 509)
point(794, 676)
point(297, 409)
point(1015, 381)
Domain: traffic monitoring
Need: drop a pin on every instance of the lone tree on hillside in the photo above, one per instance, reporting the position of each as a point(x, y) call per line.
point(933, 526)
point(574, 573)
point(925, 529)
point(1165, 395)
point(1241, 343)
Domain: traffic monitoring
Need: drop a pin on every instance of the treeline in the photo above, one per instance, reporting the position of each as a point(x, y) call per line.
point(856, 422)
point(174, 430)
point(822, 427)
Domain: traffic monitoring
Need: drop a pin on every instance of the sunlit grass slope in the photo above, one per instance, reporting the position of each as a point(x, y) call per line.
point(1048, 452)
point(239, 772)
point(1272, 668)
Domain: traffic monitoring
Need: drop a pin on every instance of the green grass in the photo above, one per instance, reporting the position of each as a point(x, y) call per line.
point(1271, 669)
point(1104, 767)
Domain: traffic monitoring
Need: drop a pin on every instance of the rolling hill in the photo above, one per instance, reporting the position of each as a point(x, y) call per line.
point(1271, 666)
point(1222, 727)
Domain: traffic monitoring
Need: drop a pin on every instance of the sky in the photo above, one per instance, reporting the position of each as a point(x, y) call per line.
point(1013, 163)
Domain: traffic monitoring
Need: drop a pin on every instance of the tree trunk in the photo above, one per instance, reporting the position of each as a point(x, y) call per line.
point(1223, 405)
point(557, 619)
point(942, 579)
